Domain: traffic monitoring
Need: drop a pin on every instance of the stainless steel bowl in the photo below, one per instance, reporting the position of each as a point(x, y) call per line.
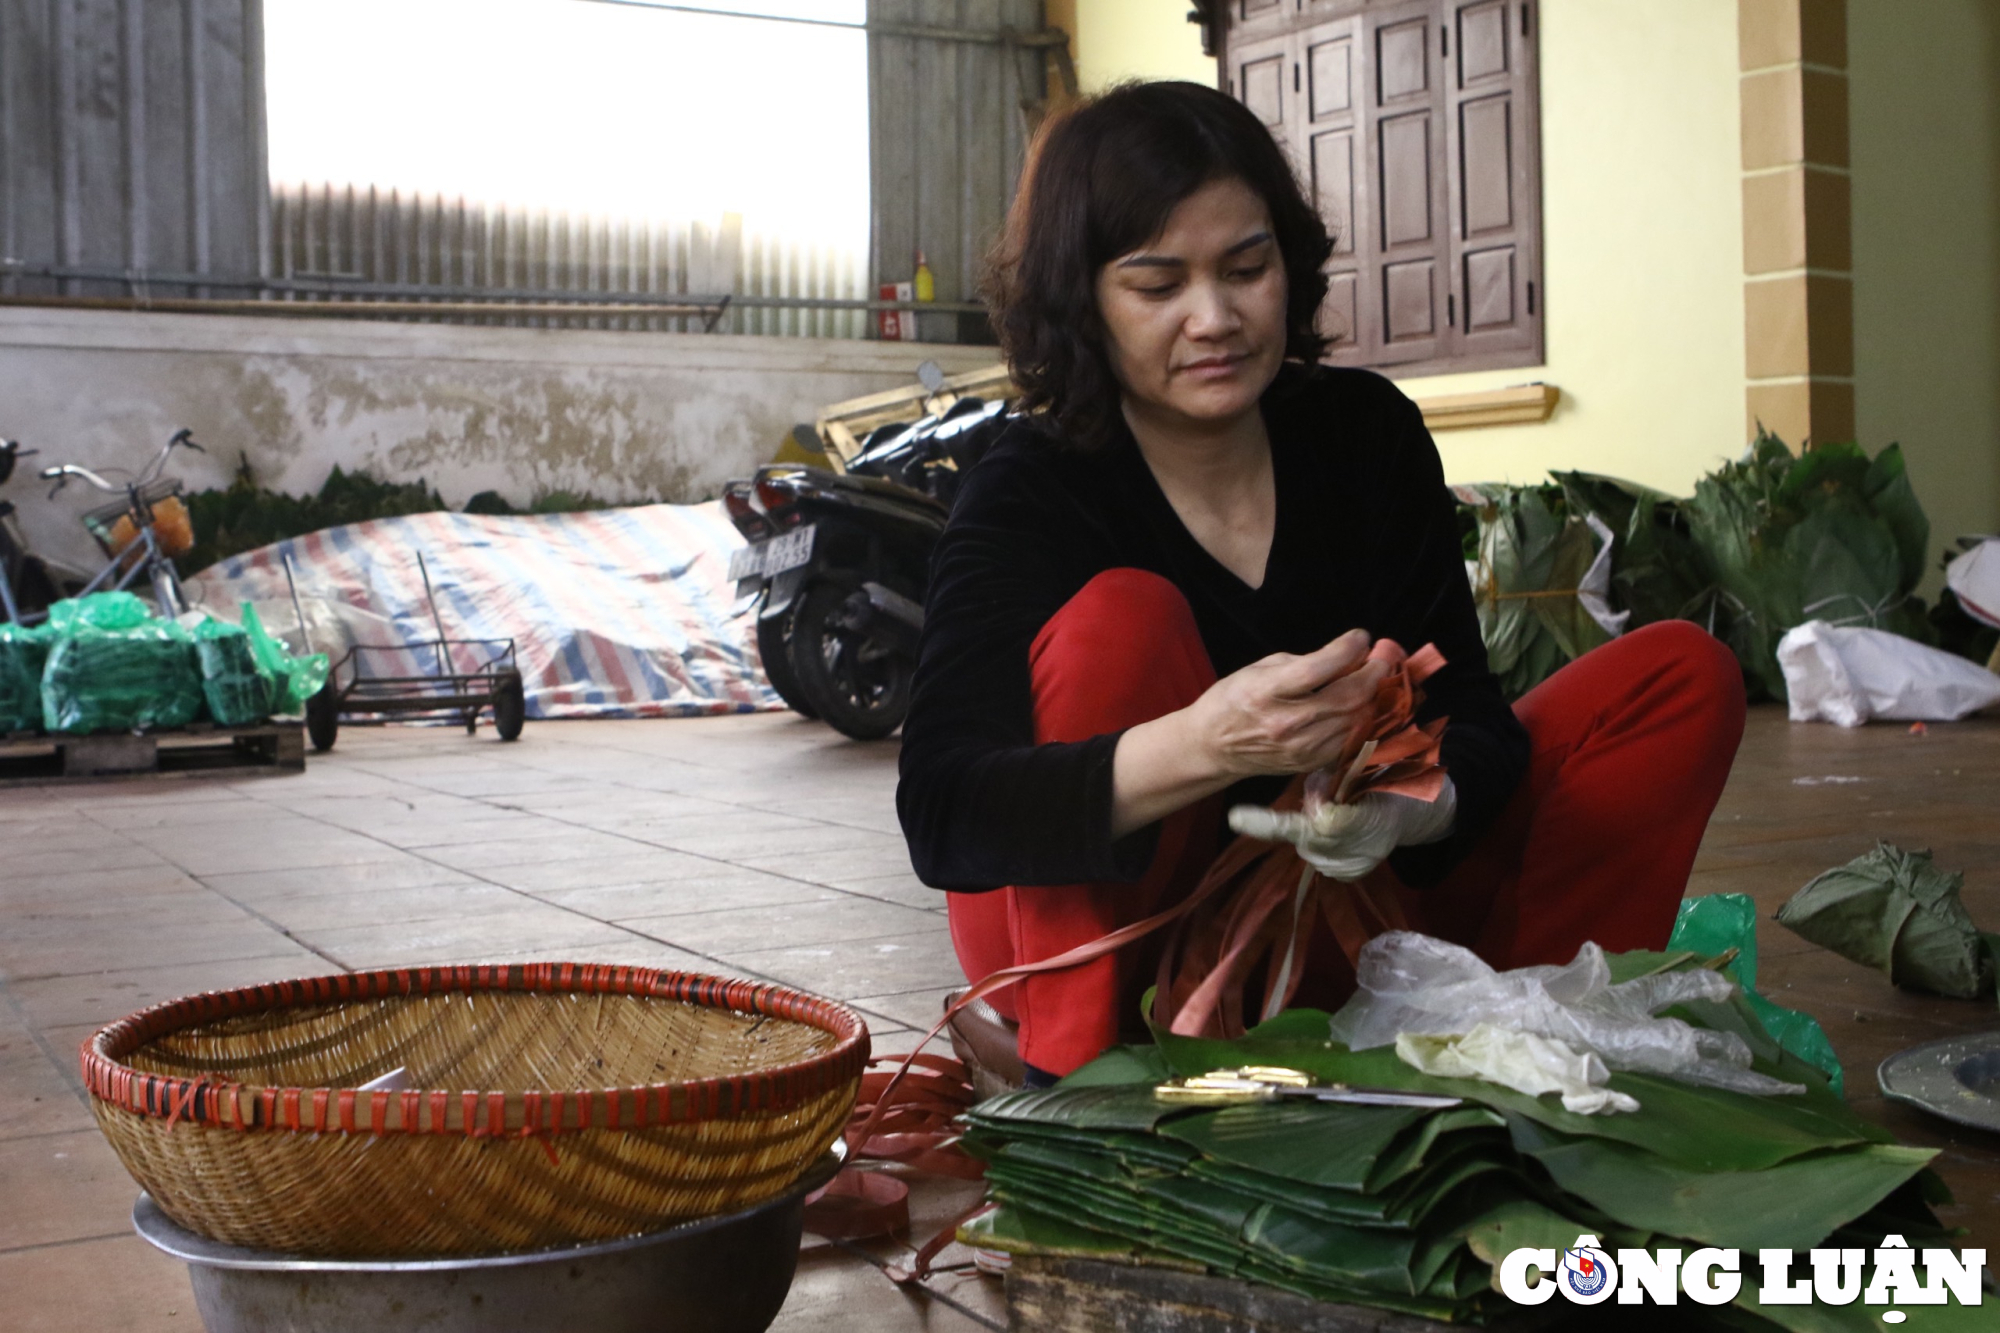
point(725, 1274)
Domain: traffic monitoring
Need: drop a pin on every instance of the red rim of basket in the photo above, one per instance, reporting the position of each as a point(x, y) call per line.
point(232, 1105)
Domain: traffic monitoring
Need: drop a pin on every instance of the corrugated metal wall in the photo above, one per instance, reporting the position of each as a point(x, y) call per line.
point(131, 136)
point(948, 127)
point(324, 238)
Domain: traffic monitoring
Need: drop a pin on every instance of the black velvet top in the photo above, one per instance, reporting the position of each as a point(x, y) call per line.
point(1366, 536)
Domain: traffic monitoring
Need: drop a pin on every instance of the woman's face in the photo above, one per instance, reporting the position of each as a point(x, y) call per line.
point(1195, 317)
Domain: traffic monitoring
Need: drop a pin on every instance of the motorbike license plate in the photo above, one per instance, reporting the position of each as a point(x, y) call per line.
point(766, 558)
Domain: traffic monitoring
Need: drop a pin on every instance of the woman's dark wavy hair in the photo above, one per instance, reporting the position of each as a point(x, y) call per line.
point(1100, 182)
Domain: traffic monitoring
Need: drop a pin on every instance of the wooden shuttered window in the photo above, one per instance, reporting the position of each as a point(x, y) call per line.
point(1415, 125)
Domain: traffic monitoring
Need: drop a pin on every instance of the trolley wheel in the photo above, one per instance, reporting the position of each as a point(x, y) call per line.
point(323, 716)
point(510, 706)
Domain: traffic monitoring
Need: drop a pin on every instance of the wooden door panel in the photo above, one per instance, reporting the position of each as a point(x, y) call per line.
point(1486, 161)
point(1493, 177)
point(1409, 301)
point(1402, 60)
point(1405, 158)
point(1489, 289)
point(1482, 42)
point(1332, 161)
point(1261, 87)
point(1413, 126)
point(1330, 77)
point(1339, 316)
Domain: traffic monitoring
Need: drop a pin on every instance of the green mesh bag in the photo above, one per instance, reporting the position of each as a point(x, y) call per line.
point(24, 651)
point(112, 667)
point(237, 689)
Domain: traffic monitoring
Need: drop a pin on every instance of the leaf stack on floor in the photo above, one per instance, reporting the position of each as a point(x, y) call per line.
point(1764, 544)
point(1409, 1209)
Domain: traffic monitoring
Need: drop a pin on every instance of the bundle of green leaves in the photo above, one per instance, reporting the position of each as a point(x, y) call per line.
point(1766, 543)
point(246, 515)
point(1412, 1210)
point(1895, 911)
point(1529, 553)
point(1829, 534)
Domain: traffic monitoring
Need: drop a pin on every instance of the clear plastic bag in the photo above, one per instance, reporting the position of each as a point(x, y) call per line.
point(112, 667)
point(1415, 985)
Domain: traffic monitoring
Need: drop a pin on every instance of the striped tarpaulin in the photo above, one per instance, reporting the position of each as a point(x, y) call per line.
point(614, 613)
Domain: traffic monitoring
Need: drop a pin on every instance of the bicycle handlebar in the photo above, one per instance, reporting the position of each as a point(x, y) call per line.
point(182, 439)
point(61, 475)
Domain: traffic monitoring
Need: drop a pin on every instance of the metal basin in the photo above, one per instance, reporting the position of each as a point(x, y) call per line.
point(725, 1274)
point(1957, 1078)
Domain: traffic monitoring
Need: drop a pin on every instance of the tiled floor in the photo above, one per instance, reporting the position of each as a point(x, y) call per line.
point(750, 845)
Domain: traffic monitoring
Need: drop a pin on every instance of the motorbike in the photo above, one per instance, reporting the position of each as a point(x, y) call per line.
point(29, 585)
point(840, 561)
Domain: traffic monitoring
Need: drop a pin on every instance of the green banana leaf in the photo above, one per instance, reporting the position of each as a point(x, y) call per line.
point(1829, 534)
point(1529, 544)
point(1895, 911)
point(1657, 570)
point(1790, 1206)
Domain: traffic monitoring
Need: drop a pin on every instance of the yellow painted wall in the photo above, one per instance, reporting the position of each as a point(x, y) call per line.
point(1115, 40)
point(1642, 232)
point(1925, 148)
point(1642, 229)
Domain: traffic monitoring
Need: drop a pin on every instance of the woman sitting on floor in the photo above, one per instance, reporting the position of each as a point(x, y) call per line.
point(1157, 594)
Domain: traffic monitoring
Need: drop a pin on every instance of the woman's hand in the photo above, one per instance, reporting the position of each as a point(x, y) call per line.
point(1284, 714)
point(1287, 714)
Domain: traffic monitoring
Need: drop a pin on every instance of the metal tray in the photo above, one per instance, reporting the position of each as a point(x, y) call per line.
point(1957, 1078)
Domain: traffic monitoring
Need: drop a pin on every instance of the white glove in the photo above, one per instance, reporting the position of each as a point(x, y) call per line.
point(1345, 842)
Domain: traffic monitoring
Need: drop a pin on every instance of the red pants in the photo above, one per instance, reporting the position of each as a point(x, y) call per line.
point(1631, 746)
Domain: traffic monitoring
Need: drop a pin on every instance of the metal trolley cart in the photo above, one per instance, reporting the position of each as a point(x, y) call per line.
point(356, 694)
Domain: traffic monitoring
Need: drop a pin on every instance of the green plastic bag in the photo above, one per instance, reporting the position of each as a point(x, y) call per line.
point(1719, 922)
point(237, 688)
point(24, 651)
point(295, 679)
point(112, 667)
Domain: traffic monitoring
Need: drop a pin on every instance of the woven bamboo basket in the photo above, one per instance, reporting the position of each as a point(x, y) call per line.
point(546, 1104)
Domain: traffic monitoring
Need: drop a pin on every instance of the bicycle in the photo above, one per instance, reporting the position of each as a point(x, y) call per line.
point(144, 531)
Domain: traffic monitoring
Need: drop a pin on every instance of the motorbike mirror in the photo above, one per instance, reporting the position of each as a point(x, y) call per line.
point(808, 439)
point(931, 375)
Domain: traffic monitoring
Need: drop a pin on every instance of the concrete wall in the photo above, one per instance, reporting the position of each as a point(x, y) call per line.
point(1925, 146)
point(519, 411)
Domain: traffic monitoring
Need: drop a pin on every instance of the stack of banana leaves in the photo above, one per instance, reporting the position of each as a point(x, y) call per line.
point(1764, 544)
point(1412, 1209)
